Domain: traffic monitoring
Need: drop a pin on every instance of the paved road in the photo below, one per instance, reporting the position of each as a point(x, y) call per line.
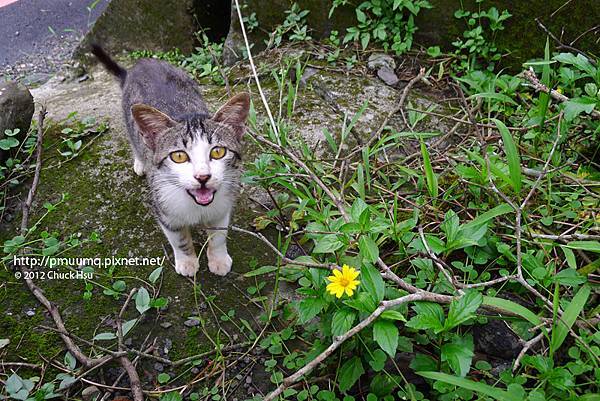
point(27, 26)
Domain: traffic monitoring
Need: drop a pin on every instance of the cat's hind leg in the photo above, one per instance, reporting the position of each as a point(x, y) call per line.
point(186, 261)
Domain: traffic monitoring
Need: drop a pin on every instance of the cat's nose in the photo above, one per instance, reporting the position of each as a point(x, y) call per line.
point(202, 178)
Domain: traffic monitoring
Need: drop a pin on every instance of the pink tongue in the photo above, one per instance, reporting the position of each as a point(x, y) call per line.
point(203, 196)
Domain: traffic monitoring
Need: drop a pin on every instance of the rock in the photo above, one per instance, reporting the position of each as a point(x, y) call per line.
point(30, 313)
point(166, 325)
point(159, 367)
point(294, 251)
point(496, 339)
point(35, 79)
point(16, 105)
point(90, 393)
point(388, 76)
point(191, 323)
point(128, 25)
point(379, 60)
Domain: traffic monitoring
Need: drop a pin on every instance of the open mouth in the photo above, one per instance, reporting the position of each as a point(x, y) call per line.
point(202, 196)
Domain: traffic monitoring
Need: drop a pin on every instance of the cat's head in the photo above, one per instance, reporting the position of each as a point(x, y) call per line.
point(198, 154)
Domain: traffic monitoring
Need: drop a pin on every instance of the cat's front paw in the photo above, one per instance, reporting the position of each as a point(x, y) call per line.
point(187, 266)
point(138, 167)
point(219, 263)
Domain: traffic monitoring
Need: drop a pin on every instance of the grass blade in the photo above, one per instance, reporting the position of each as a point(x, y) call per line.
point(431, 178)
point(512, 155)
point(512, 307)
point(569, 317)
point(479, 387)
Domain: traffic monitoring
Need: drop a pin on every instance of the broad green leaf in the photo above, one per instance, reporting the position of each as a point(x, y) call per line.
point(342, 321)
point(70, 361)
point(349, 373)
point(512, 155)
point(308, 308)
point(513, 307)
point(105, 336)
point(172, 396)
point(478, 387)
point(430, 316)
point(569, 277)
point(142, 300)
point(483, 218)
point(368, 248)
point(463, 309)
point(590, 246)
point(393, 315)
point(576, 106)
point(495, 96)
point(560, 331)
point(570, 257)
point(155, 274)
point(260, 271)
point(385, 333)
point(377, 362)
point(127, 326)
point(372, 282)
point(362, 302)
point(327, 244)
point(459, 354)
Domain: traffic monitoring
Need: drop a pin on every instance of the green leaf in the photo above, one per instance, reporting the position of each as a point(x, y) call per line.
point(342, 321)
point(372, 282)
point(459, 354)
point(105, 336)
point(155, 274)
point(423, 362)
point(385, 333)
point(368, 248)
point(512, 307)
point(70, 361)
point(512, 155)
point(349, 373)
point(477, 387)
point(377, 362)
point(463, 309)
point(127, 326)
point(308, 308)
point(570, 257)
point(576, 106)
point(142, 300)
point(172, 396)
point(430, 177)
point(495, 96)
point(163, 378)
point(591, 246)
point(7, 143)
point(260, 271)
point(362, 302)
point(393, 315)
point(430, 316)
point(569, 277)
point(559, 333)
point(327, 244)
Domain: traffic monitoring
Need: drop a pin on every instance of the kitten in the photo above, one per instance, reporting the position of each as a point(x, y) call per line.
point(192, 160)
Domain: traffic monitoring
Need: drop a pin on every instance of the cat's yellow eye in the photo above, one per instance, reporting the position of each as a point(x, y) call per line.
point(179, 156)
point(218, 152)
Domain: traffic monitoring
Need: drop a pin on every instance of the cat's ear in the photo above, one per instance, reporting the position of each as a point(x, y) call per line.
point(151, 122)
point(234, 113)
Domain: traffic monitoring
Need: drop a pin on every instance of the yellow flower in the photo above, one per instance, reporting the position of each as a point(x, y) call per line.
point(343, 281)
